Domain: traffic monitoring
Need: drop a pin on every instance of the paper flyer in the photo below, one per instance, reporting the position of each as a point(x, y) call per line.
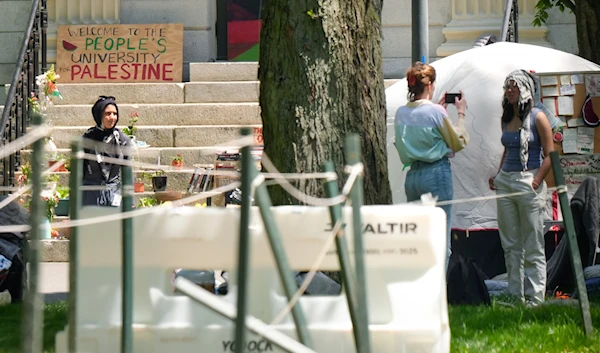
point(585, 140)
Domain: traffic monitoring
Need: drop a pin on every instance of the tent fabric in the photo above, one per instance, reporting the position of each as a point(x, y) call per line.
point(480, 74)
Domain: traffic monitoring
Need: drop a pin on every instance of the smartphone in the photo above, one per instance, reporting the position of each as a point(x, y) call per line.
point(450, 97)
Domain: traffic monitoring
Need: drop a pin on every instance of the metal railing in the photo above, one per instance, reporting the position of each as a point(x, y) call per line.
point(30, 63)
point(510, 24)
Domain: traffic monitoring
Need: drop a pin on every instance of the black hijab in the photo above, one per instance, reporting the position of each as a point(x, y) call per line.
point(98, 132)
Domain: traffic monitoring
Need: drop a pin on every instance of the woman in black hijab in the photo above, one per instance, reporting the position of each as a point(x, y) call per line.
point(104, 140)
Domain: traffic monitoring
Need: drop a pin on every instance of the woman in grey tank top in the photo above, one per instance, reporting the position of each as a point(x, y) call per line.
point(527, 138)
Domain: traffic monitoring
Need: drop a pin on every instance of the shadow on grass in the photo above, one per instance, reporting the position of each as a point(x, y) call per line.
point(55, 319)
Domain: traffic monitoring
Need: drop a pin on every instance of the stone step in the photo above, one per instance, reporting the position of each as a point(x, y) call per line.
point(164, 136)
point(217, 92)
point(165, 114)
point(223, 71)
point(160, 93)
point(125, 93)
point(160, 155)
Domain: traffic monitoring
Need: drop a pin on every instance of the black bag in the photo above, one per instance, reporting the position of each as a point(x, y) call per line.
point(466, 282)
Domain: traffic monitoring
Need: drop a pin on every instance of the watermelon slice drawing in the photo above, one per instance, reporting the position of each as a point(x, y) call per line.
point(68, 46)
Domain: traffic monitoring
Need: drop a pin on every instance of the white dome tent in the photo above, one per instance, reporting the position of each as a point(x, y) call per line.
point(480, 74)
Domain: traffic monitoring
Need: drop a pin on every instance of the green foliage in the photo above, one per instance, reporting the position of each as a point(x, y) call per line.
point(62, 192)
point(52, 178)
point(147, 202)
point(542, 7)
point(159, 172)
point(146, 177)
point(55, 319)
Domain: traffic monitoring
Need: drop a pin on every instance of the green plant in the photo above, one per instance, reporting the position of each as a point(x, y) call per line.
point(131, 129)
point(158, 172)
point(25, 173)
point(147, 202)
point(62, 192)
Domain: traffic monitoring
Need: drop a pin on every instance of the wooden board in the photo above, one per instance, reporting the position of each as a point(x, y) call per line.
point(120, 53)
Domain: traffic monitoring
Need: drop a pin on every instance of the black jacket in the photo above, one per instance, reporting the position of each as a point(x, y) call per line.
point(103, 143)
point(585, 206)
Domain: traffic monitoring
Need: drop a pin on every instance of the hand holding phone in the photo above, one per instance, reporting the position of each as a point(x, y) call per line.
point(450, 98)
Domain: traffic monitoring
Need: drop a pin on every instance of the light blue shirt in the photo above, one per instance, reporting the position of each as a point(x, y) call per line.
point(424, 133)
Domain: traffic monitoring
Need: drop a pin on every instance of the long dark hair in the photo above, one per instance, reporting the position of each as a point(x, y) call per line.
point(508, 110)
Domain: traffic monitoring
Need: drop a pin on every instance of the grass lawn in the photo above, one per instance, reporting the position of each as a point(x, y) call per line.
point(547, 329)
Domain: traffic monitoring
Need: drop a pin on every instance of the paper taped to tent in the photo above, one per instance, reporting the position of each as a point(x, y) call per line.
point(479, 73)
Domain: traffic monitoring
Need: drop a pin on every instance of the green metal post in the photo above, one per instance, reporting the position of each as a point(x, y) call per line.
point(33, 314)
point(244, 246)
point(565, 207)
point(356, 195)
point(127, 270)
point(75, 179)
point(285, 273)
point(348, 277)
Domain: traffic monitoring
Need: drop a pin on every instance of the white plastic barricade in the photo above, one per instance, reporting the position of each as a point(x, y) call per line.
point(404, 253)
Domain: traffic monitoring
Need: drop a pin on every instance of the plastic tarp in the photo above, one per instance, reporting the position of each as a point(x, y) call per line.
point(480, 74)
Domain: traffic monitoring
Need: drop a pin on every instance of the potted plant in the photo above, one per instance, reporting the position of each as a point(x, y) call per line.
point(140, 181)
point(63, 167)
point(177, 161)
point(62, 208)
point(131, 130)
point(159, 180)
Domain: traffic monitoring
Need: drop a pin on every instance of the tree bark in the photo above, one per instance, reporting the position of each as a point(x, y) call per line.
point(321, 79)
point(587, 14)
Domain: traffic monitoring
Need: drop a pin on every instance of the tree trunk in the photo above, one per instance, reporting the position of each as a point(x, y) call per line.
point(321, 79)
point(587, 14)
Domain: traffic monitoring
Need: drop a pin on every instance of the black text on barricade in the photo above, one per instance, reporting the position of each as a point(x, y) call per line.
point(385, 228)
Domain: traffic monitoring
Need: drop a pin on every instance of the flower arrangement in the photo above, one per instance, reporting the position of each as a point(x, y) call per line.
point(47, 83)
point(51, 201)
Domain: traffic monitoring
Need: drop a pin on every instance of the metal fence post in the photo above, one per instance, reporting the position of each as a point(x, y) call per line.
point(33, 314)
point(244, 246)
point(285, 273)
point(75, 179)
point(353, 154)
point(346, 269)
point(127, 270)
point(576, 264)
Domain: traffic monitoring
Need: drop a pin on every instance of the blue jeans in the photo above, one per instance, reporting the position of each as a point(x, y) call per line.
point(434, 178)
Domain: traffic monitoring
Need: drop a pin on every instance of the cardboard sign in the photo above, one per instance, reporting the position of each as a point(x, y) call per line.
point(120, 53)
point(258, 136)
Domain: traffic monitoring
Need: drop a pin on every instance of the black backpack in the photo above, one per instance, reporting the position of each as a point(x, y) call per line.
point(466, 282)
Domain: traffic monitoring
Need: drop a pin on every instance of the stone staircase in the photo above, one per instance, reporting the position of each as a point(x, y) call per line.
point(187, 118)
point(174, 118)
